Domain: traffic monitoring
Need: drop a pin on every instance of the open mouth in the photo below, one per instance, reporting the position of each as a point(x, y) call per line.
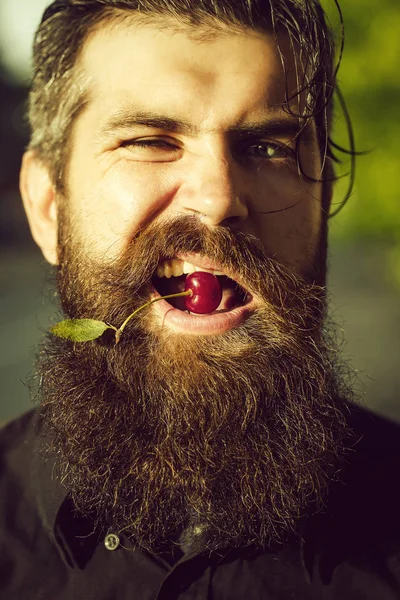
point(171, 275)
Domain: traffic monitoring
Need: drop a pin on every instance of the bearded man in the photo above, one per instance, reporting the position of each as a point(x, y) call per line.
point(194, 455)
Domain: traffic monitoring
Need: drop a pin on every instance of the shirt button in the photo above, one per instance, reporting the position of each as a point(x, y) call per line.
point(111, 541)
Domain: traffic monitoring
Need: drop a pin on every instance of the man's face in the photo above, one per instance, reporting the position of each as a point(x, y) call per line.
point(233, 423)
point(247, 181)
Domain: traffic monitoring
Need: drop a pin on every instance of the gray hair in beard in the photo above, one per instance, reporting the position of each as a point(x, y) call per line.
point(240, 433)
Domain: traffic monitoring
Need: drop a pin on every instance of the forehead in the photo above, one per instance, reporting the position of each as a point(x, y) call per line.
point(231, 76)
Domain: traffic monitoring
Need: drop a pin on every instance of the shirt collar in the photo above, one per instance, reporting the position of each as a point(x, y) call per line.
point(73, 534)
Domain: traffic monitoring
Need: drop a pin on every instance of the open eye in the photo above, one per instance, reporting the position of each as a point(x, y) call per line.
point(271, 151)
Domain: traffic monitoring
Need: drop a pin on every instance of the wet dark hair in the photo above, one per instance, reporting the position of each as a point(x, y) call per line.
point(58, 92)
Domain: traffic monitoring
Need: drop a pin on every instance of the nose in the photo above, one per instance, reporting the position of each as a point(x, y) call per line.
point(216, 191)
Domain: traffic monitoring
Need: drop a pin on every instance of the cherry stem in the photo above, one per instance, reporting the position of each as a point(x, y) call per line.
point(118, 332)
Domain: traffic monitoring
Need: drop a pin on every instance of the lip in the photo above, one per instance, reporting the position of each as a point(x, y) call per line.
point(213, 324)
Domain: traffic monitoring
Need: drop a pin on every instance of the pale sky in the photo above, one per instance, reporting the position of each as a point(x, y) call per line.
point(18, 22)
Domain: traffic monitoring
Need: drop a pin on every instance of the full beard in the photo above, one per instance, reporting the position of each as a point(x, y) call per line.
point(238, 433)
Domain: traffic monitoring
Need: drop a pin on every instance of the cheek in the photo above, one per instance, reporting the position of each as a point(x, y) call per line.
point(108, 213)
point(292, 233)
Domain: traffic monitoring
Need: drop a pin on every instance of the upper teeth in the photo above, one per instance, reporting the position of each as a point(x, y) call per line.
point(175, 268)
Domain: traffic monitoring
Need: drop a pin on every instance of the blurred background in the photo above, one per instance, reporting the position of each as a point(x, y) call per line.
point(364, 256)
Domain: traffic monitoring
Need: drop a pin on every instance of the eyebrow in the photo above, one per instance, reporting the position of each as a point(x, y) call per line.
point(280, 126)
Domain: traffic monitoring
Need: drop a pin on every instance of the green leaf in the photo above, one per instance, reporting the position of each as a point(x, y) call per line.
point(80, 330)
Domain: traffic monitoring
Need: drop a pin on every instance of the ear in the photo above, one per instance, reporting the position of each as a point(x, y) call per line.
point(39, 198)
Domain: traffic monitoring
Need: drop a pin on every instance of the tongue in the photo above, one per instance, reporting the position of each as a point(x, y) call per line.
point(230, 294)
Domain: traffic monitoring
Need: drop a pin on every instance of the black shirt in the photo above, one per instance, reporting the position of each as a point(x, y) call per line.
point(350, 551)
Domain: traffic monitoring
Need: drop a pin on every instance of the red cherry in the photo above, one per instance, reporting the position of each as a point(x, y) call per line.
point(207, 293)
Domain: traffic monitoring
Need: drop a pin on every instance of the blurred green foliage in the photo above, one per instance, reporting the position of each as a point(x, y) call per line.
point(369, 78)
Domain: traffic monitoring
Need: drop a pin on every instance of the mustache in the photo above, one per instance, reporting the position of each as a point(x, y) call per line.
point(127, 280)
point(235, 252)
